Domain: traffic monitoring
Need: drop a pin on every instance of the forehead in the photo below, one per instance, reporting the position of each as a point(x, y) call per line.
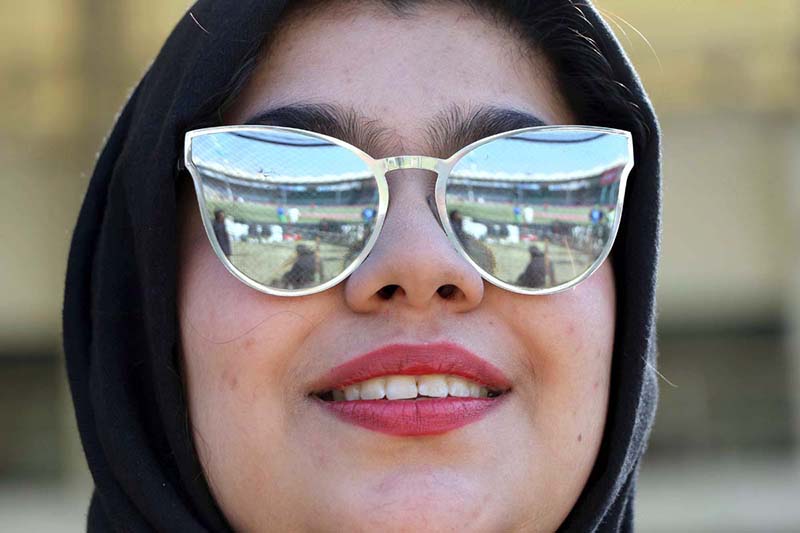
point(398, 73)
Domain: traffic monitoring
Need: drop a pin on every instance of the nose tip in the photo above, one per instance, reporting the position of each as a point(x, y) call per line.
point(413, 263)
point(417, 282)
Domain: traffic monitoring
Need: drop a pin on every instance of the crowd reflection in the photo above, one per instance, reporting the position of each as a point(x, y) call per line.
point(291, 256)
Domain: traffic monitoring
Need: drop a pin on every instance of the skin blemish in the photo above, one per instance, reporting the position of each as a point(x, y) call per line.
point(249, 343)
point(230, 378)
point(580, 437)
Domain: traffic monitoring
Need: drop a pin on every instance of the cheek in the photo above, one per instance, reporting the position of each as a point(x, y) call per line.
point(212, 303)
point(237, 347)
point(568, 344)
point(569, 336)
point(234, 338)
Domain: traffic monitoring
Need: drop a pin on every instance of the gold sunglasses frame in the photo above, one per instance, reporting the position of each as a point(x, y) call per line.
point(379, 169)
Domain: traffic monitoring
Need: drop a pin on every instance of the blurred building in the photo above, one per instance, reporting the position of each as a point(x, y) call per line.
point(725, 79)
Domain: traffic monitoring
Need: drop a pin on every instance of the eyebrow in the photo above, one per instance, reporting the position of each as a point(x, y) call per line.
point(328, 119)
point(456, 127)
point(446, 133)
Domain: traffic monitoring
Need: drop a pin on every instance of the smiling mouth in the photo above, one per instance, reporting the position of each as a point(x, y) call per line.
point(412, 389)
point(409, 388)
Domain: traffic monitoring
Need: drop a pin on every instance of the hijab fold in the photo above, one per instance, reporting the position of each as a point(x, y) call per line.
point(120, 317)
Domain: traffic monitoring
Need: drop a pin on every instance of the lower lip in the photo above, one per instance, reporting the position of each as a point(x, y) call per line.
point(411, 418)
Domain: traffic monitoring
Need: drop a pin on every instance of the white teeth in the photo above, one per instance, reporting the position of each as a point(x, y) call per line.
point(353, 392)
point(457, 387)
point(434, 386)
point(401, 388)
point(474, 390)
point(373, 389)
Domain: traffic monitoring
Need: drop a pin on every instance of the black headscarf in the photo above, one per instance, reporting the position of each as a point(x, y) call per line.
point(120, 316)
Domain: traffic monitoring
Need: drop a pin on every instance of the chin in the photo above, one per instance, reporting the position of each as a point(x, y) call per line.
point(425, 499)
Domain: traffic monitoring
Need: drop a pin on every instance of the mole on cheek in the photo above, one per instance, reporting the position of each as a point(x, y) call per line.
point(230, 378)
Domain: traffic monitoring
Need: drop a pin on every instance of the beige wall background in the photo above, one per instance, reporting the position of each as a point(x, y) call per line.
point(725, 79)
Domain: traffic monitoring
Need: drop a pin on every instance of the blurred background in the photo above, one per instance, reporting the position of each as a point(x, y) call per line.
point(725, 79)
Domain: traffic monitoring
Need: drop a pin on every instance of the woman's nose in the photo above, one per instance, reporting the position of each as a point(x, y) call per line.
point(413, 263)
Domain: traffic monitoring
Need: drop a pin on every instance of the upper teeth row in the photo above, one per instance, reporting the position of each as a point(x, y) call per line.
point(408, 387)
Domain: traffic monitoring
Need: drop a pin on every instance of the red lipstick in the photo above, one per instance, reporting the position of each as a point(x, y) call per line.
point(421, 416)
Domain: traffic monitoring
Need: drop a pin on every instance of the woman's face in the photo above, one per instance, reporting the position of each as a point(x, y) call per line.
point(275, 457)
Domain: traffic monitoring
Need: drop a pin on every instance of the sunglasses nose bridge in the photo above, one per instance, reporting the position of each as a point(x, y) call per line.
point(419, 162)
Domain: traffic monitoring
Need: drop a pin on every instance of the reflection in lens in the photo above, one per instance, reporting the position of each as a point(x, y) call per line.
point(290, 211)
point(537, 209)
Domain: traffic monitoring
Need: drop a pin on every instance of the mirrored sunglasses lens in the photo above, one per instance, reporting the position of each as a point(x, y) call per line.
point(537, 209)
point(289, 210)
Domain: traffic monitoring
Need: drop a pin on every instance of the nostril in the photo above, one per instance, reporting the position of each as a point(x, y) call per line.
point(387, 291)
point(446, 291)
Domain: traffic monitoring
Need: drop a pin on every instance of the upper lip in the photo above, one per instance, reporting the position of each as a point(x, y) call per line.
point(414, 360)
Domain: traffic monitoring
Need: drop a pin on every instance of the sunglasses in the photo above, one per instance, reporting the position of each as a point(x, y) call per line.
point(291, 212)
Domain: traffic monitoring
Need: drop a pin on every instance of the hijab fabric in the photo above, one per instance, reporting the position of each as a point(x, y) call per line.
point(120, 316)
